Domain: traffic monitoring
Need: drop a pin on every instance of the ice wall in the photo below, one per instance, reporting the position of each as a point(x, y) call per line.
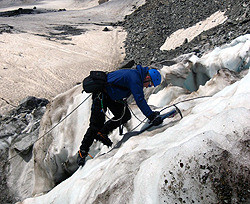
point(191, 71)
point(202, 157)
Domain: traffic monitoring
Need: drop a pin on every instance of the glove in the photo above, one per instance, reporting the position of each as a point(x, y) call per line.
point(153, 116)
point(155, 119)
point(81, 157)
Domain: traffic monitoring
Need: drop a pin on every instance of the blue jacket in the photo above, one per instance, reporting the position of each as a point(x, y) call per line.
point(132, 79)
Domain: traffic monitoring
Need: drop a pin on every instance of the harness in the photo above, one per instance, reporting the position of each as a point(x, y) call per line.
point(100, 97)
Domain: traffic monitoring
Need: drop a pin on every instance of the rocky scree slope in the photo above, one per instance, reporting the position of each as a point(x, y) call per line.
point(150, 25)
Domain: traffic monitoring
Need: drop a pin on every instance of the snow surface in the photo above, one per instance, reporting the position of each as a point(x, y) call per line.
point(180, 160)
point(178, 38)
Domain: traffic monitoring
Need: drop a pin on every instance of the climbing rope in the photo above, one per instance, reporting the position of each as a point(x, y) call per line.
point(104, 113)
point(142, 121)
point(8, 102)
point(191, 99)
point(112, 119)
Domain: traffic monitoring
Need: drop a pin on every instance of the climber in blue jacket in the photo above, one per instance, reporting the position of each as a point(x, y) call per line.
point(120, 85)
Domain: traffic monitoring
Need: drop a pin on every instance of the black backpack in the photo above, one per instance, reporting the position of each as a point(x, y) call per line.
point(95, 82)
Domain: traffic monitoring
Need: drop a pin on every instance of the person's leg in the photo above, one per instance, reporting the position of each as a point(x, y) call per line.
point(97, 120)
point(117, 108)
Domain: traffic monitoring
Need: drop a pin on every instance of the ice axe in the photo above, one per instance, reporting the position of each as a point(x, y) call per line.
point(169, 114)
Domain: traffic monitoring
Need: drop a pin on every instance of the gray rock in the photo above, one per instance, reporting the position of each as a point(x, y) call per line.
point(18, 131)
point(147, 31)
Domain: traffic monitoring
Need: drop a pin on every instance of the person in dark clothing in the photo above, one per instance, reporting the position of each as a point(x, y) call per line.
point(122, 83)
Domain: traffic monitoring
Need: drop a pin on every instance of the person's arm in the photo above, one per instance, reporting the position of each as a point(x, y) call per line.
point(137, 91)
point(153, 116)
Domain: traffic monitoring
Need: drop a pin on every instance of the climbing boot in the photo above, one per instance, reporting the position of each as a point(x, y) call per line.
point(81, 157)
point(104, 139)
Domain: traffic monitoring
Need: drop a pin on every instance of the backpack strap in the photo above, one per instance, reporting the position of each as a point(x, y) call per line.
point(118, 86)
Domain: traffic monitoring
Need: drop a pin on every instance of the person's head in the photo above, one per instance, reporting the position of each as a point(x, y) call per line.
point(153, 78)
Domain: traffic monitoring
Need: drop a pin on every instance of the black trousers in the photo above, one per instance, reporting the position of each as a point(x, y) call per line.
point(100, 103)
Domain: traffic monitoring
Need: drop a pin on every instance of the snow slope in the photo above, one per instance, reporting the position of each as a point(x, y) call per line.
point(202, 158)
point(45, 54)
